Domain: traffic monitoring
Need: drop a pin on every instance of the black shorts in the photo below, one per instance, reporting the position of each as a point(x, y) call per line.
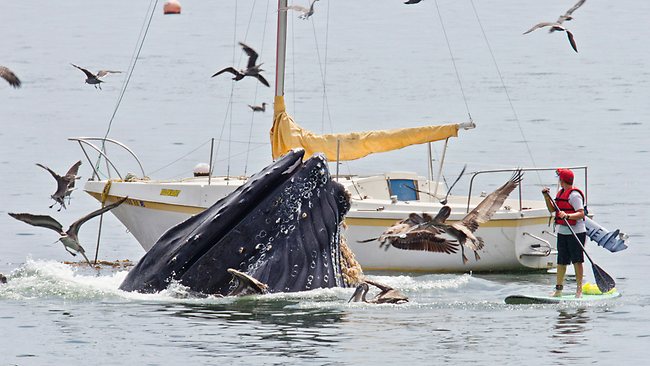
point(568, 250)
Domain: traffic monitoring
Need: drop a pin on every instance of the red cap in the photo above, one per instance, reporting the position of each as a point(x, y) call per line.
point(565, 175)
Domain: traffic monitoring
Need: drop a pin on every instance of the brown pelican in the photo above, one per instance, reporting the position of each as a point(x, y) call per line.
point(64, 184)
point(69, 238)
point(305, 13)
point(556, 27)
point(9, 75)
point(416, 233)
point(464, 229)
point(95, 79)
point(388, 295)
point(247, 285)
point(251, 68)
point(257, 108)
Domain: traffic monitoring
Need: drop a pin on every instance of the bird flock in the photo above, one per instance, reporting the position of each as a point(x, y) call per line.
point(433, 234)
point(64, 187)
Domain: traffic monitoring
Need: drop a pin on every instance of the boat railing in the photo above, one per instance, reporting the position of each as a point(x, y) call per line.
point(101, 150)
point(492, 171)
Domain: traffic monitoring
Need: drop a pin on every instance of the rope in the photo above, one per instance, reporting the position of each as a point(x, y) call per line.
point(177, 160)
point(453, 61)
point(134, 59)
point(257, 85)
point(505, 89)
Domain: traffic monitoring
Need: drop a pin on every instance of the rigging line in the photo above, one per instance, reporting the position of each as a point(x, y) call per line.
point(505, 89)
point(188, 172)
point(327, 30)
point(293, 65)
point(322, 73)
point(181, 157)
point(453, 60)
point(250, 133)
point(141, 38)
point(232, 90)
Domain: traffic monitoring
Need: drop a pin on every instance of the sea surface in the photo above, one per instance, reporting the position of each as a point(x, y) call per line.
point(355, 65)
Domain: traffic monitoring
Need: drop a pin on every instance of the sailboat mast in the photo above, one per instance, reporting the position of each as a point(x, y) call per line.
point(281, 48)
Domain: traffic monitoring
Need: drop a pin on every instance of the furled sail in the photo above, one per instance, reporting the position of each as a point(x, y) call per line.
point(287, 135)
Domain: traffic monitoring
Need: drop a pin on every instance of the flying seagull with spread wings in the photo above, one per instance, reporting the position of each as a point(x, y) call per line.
point(64, 184)
point(69, 238)
point(93, 79)
point(556, 27)
point(416, 233)
point(568, 15)
point(305, 13)
point(251, 68)
point(9, 76)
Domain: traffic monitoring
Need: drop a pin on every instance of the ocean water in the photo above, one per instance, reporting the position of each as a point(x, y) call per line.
point(355, 65)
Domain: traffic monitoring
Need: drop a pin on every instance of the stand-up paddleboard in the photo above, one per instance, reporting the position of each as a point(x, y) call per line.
point(566, 298)
point(590, 293)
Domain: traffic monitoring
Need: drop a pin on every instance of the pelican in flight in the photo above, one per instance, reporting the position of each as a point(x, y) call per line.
point(9, 75)
point(305, 13)
point(258, 108)
point(387, 295)
point(417, 233)
point(251, 68)
point(93, 79)
point(64, 184)
point(463, 230)
point(70, 237)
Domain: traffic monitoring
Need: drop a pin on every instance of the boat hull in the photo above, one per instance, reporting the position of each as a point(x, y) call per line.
point(515, 241)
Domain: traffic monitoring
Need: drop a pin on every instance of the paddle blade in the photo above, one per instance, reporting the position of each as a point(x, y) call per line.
point(604, 281)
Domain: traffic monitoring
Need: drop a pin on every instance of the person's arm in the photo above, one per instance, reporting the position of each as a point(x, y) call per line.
point(547, 200)
point(575, 199)
point(578, 215)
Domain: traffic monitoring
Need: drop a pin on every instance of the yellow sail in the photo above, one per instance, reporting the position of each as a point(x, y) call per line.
point(287, 135)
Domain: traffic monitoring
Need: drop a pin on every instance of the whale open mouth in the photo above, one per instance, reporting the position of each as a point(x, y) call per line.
point(282, 227)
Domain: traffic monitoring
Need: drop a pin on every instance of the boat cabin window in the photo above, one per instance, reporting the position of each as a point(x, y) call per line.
point(404, 189)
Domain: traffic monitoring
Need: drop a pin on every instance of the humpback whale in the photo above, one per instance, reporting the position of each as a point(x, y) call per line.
point(281, 229)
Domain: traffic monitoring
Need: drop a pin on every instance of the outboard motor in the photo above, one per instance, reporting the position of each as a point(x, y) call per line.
point(612, 241)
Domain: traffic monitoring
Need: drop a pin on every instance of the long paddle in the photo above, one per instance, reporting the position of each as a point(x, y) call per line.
point(604, 281)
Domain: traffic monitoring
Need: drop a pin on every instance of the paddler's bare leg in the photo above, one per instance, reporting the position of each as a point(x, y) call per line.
point(578, 269)
point(559, 280)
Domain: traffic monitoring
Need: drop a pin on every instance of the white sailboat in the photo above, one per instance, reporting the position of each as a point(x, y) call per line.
point(516, 238)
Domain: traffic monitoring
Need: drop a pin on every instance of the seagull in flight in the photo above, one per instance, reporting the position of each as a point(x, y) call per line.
point(251, 68)
point(305, 13)
point(69, 238)
point(9, 75)
point(93, 79)
point(556, 27)
point(258, 108)
point(64, 184)
point(568, 15)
